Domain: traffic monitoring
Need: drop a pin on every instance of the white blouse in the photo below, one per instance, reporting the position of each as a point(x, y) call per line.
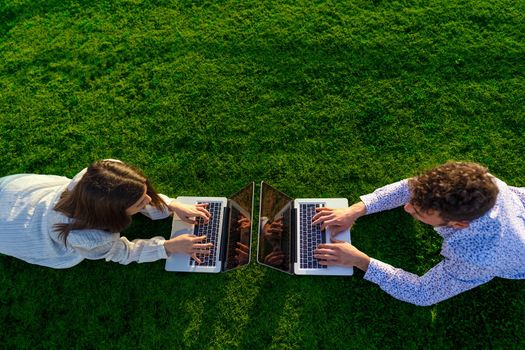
point(26, 227)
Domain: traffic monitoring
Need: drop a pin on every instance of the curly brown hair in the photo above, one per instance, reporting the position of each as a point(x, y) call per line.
point(458, 191)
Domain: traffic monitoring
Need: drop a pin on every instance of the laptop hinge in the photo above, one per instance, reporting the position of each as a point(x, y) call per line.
point(293, 240)
point(224, 236)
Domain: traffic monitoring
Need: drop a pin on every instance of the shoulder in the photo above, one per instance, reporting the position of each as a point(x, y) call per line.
point(30, 180)
point(480, 237)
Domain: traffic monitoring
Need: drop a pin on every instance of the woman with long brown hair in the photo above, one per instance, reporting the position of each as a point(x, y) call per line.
point(57, 222)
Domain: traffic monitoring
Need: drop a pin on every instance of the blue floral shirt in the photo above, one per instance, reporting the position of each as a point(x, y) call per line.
point(492, 246)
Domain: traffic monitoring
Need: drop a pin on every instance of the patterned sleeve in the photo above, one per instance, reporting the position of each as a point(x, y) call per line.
point(387, 197)
point(155, 214)
point(443, 281)
point(95, 244)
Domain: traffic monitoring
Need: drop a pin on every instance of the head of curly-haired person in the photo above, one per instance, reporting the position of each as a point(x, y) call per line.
point(455, 192)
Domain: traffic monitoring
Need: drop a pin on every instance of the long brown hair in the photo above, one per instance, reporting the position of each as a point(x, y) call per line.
point(101, 197)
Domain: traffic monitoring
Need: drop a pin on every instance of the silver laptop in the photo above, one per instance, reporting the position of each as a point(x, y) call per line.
point(229, 230)
point(287, 238)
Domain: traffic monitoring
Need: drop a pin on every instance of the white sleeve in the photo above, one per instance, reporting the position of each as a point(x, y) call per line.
point(94, 245)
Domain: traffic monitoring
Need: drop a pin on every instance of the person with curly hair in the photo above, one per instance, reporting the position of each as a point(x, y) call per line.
point(481, 220)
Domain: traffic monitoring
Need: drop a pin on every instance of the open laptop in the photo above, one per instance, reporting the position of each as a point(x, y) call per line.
point(229, 229)
point(287, 238)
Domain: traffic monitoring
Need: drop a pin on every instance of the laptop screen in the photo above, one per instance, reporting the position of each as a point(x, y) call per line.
point(240, 228)
point(275, 217)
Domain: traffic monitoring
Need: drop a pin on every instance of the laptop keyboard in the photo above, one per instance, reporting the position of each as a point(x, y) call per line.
point(211, 231)
point(310, 236)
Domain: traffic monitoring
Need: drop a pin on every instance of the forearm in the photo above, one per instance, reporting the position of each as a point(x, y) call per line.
point(438, 284)
point(124, 251)
point(363, 262)
point(387, 197)
point(357, 210)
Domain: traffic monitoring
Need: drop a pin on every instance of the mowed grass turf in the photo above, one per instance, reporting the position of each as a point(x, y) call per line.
point(319, 98)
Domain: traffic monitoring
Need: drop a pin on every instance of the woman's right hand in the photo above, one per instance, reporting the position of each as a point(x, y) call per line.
point(189, 212)
point(188, 244)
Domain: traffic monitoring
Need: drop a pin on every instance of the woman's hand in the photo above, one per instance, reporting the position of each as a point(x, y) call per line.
point(188, 211)
point(188, 244)
point(340, 219)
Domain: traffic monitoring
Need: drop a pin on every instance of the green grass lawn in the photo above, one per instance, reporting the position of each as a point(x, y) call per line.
point(319, 98)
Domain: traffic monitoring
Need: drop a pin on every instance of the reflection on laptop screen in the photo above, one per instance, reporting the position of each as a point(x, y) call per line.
point(239, 235)
point(275, 229)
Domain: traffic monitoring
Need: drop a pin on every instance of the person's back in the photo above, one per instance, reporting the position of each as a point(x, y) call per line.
point(496, 240)
point(27, 201)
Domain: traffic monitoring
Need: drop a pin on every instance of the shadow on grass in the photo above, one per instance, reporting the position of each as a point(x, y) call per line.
point(251, 308)
point(484, 317)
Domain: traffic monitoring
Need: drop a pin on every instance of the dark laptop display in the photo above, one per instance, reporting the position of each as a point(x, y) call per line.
point(239, 229)
point(275, 229)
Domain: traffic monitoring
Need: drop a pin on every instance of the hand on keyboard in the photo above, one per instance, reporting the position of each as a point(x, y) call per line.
point(188, 212)
point(340, 219)
point(188, 244)
point(342, 254)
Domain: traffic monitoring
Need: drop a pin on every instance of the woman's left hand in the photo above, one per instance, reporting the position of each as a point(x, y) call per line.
point(189, 212)
point(189, 244)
